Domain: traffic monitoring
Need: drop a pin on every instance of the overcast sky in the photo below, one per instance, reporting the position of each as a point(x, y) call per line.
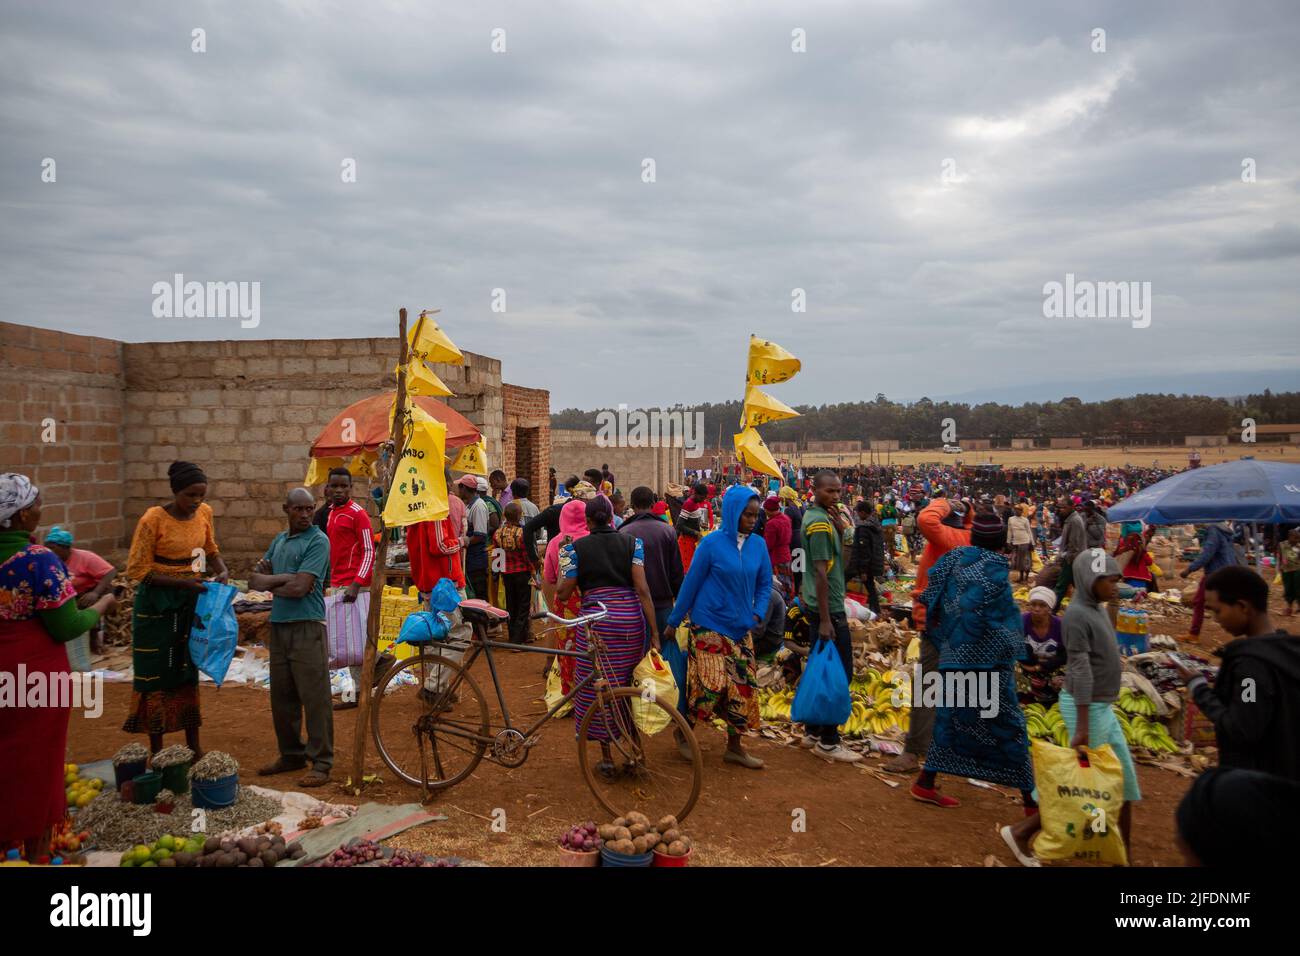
point(775, 170)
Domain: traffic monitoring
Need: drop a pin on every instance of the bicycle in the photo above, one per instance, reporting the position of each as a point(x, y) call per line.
point(423, 727)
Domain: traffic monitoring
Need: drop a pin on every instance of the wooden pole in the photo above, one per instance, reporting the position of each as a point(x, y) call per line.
point(398, 435)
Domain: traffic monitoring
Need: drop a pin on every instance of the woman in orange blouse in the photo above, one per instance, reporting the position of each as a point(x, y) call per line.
point(173, 549)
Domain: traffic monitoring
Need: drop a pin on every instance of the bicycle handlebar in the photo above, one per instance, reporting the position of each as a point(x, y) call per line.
point(571, 621)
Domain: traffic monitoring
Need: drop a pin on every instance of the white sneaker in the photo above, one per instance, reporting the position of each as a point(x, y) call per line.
point(808, 742)
point(837, 753)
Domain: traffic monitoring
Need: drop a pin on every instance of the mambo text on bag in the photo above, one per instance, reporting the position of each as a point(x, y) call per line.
point(419, 489)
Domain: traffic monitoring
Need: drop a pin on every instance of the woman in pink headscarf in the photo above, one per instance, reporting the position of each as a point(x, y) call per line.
point(573, 525)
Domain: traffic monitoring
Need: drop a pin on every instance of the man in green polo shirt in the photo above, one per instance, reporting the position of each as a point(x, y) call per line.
point(824, 524)
point(294, 570)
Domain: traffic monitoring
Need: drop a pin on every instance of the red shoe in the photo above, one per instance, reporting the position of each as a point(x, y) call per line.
point(933, 796)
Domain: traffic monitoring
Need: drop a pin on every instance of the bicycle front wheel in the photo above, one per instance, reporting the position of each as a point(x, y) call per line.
point(628, 769)
point(429, 719)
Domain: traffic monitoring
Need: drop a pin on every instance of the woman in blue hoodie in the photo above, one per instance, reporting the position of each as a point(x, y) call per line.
point(726, 594)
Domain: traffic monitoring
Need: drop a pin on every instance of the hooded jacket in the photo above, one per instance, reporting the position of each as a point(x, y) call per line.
point(1092, 666)
point(1217, 551)
point(573, 524)
point(727, 586)
point(1260, 731)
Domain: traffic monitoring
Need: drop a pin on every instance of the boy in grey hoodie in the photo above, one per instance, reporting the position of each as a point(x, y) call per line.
point(1092, 684)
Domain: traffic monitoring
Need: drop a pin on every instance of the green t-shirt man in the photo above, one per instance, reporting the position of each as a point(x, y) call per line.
point(307, 551)
point(822, 543)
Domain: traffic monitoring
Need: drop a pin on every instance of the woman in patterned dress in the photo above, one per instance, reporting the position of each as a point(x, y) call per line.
point(38, 616)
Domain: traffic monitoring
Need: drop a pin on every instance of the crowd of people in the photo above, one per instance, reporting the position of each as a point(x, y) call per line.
point(733, 561)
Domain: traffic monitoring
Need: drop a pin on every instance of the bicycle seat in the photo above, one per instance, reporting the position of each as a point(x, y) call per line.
point(475, 609)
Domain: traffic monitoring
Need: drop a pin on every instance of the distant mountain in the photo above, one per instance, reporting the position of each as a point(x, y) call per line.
point(1215, 384)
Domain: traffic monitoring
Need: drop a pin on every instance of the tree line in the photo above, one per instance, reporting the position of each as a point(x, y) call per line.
point(1136, 418)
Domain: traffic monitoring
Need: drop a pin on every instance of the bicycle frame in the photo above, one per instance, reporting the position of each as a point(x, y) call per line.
point(481, 645)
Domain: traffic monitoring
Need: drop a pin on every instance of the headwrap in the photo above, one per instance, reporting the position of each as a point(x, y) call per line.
point(182, 474)
point(481, 485)
point(1046, 595)
point(16, 493)
point(771, 503)
point(468, 481)
point(789, 494)
point(59, 535)
point(988, 531)
point(584, 491)
point(659, 508)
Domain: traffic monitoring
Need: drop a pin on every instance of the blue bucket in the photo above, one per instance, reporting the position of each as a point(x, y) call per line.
point(215, 794)
point(609, 858)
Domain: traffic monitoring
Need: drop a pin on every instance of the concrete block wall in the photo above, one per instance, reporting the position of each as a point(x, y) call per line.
point(574, 451)
point(527, 410)
point(75, 381)
point(247, 412)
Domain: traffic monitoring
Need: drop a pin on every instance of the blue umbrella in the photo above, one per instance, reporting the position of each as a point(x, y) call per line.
point(1265, 492)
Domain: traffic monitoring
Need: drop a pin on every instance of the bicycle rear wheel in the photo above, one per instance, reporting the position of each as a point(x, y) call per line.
point(424, 720)
point(647, 772)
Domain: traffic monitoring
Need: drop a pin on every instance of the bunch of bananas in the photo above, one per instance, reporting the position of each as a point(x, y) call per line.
point(1140, 732)
point(1045, 723)
point(1135, 702)
point(872, 701)
point(1048, 724)
point(775, 705)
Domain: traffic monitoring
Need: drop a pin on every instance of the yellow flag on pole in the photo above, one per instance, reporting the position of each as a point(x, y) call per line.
point(472, 460)
point(761, 408)
point(430, 343)
point(753, 454)
point(318, 471)
point(419, 489)
point(420, 380)
point(769, 363)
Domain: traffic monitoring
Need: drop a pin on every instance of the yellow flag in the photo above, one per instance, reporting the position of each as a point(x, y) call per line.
point(420, 380)
point(431, 343)
point(753, 453)
point(419, 490)
point(472, 460)
point(761, 407)
point(363, 465)
point(769, 363)
point(318, 472)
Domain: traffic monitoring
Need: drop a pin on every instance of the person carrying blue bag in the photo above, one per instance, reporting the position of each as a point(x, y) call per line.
point(822, 595)
point(294, 570)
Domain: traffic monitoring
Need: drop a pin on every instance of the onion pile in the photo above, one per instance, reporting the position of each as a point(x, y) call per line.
point(582, 838)
point(354, 854)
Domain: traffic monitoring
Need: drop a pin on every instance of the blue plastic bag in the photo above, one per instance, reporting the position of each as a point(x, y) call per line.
point(444, 597)
point(420, 627)
point(675, 658)
point(822, 697)
point(216, 631)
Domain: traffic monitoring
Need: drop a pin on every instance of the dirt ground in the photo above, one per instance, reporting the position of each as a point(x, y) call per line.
point(743, 818)
point(1137, 456)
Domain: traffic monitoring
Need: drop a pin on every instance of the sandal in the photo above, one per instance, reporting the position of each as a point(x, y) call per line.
point(280, 766)
point(933, 796)
point(1010, 839)
point(316, 778)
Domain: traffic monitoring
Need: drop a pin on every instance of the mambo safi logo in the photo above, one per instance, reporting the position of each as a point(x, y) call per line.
point(1084, 299)
point(653, 428)
point(179, 299)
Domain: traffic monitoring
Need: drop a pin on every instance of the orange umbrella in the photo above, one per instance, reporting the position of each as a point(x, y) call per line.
point(371, 420)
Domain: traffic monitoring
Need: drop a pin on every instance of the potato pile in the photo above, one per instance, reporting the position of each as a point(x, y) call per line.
point(257, 851)
point(633, 835)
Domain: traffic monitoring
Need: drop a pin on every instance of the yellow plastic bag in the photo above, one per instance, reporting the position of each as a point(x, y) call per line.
point(655, 679)
point(1079, 806)
point(555, 689)
point(1037, 562)
point(1155, 569)
point(683, 637)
